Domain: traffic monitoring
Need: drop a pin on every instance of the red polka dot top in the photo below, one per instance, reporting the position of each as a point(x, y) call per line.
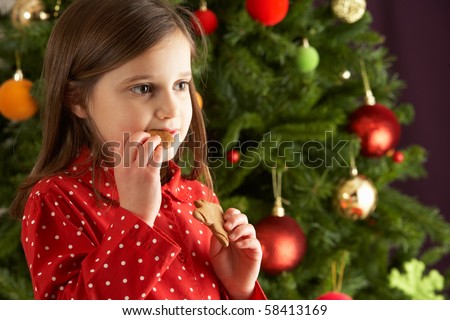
point(79, 246)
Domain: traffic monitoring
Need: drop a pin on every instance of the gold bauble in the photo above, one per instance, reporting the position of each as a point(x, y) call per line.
point(349, 11)
point(356, 197)
point(25, 11)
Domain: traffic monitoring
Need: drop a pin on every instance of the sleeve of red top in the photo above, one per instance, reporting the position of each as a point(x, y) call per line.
point(258, 293)
point(66, 261)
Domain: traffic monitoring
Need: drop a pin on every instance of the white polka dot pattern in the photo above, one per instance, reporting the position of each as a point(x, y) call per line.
point(78, 247)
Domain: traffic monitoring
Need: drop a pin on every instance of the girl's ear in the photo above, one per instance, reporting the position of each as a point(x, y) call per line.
point(72, 99)
point(79, 111)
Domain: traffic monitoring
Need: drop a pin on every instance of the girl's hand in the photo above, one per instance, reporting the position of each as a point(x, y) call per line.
point(237, 266)
point(138, 175)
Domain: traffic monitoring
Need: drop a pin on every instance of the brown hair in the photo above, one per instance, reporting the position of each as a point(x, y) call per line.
point(91, 38)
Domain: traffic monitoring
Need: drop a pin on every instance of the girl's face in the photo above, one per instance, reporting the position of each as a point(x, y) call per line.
point(148, 92)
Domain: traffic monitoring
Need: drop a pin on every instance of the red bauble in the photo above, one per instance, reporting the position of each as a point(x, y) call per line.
point(378, 128)
point(207, 20)
point(334, 296)
point(398, 157)
point(233, 156)
point(268, 12)
point(283, 243)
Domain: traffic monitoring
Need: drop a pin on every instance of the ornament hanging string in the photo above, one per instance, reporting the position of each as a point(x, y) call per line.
point(18, 75)
point(353, 169)
point(370, 99)
point(337, 283)
point(276, 183)
point(278, 209)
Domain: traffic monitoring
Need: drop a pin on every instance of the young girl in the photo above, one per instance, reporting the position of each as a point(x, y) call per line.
point(106, 213)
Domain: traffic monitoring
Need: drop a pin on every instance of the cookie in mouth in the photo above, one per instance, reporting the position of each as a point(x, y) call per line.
point(166, 138)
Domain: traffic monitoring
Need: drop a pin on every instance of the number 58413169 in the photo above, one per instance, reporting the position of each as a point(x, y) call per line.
point(295, 310)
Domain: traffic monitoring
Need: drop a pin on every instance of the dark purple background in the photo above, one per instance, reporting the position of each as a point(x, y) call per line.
point(417, 33)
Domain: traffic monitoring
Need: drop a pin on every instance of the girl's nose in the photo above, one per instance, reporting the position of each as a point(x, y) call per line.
point(167, 107)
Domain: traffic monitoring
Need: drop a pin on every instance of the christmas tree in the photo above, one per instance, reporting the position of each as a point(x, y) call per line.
point(303, 122)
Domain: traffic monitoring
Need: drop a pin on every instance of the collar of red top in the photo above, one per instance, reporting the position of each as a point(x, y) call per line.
point(82, 167)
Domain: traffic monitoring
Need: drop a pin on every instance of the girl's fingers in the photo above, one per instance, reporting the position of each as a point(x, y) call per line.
point(232, 221)
point(242, 231)
point(133, 147)
point(252, 248)
point(140, 149)
point(230, 212)
point(250, 243)
point(149, 153)
point(156, 159)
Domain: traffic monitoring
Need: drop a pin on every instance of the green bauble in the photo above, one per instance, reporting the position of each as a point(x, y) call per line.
point(307, 59)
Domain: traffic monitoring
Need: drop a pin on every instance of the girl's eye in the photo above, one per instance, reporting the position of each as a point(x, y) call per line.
point(182, 85)
point(142, 89)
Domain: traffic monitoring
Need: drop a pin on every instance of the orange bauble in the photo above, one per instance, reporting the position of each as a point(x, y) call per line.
point(16, 102)
point(199, 99)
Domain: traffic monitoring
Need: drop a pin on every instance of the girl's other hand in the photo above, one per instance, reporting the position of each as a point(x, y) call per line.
point(237, 265)
point(138, 175)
